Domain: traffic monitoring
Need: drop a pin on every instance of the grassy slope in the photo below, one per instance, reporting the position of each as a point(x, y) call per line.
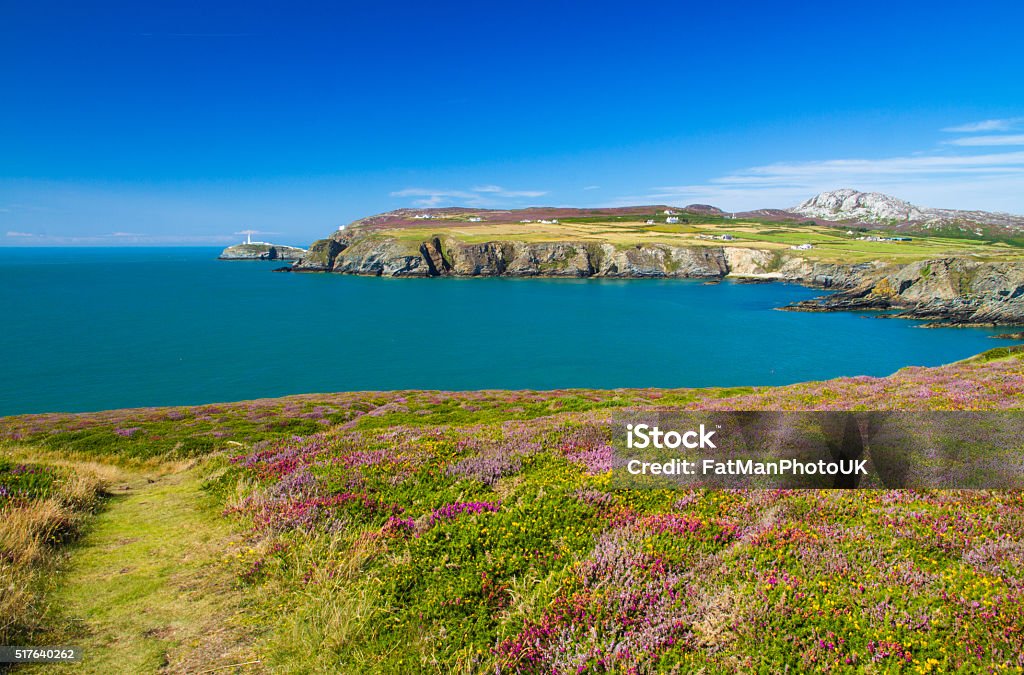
point(348, 564)
point(830, 244)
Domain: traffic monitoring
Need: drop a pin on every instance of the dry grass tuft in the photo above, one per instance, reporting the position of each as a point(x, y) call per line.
point(31, 531)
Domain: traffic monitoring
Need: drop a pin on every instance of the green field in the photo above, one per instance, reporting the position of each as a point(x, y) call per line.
point(830, 244)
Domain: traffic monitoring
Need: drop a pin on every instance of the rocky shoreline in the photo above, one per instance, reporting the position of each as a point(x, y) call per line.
point(946, 291)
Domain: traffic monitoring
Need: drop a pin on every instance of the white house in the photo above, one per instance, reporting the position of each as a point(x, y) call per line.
point(475, 219)
point(671, 219)
point(727, 237)
point(649, 222)
point(802, 247)
point(423, 216)
point(669, 212)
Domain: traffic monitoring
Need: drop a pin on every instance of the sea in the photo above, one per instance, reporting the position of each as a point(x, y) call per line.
point(90, 329)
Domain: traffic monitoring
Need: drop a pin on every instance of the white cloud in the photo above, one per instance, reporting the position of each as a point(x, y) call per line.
point(1005, 124)
point(255, 232)
point(1004, 139)
point(123, 238)
point(480, 196)
point(499, 191)
point(430, 198)
point(592, 187)
point(523, 193)
point(993, 181)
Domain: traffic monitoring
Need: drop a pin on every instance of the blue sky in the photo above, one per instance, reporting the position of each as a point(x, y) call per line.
point(183, 123)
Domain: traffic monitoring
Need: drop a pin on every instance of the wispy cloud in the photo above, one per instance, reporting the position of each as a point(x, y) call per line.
point(1003, 139)
point(480, 196)
point(427, 197)
point(992, 181)
point(499, 191)
point(121, 238)
point(592, 187)
point(255, 232)
point(1005, 124)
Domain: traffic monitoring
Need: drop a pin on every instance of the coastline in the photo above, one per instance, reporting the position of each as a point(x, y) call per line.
point(952, 290)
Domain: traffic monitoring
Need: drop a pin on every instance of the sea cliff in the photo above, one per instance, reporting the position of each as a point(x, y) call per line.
point(376, 255)
point(950, 291)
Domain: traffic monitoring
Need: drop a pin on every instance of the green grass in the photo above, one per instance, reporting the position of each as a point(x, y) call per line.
point(147, 588)
point(830, 244)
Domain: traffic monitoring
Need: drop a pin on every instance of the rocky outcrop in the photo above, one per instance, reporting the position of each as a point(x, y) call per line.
point(954, 291)
point(752, 263)
point(381, 256)
point(874, 207)
point(320, 257)
point(262, 251)
point(867, 207)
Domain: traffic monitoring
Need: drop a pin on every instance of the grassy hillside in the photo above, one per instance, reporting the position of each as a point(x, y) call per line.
point(830, 243)
point(472, 532)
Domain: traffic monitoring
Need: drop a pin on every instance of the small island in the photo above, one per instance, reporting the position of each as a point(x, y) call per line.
point(261, 250)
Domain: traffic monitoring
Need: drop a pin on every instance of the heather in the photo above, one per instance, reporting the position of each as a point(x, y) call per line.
point(478, 532)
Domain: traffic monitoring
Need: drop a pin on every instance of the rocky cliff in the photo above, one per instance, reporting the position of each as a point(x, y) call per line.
point(383, 256)
point(261, 251)
point(953, 291)
point(387, 256)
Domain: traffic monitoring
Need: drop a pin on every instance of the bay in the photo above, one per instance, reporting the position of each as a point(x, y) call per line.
point(99, 328)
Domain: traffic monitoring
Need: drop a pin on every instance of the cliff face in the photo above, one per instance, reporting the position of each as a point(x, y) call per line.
point(391, 257)
point(261, 252)
point(951, 290)
point(955, 291)
point(384, 256)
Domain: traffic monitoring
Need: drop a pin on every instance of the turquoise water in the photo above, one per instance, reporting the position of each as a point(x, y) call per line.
point(91, 329)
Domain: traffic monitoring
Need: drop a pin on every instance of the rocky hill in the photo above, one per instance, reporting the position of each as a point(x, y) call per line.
point(874, 207)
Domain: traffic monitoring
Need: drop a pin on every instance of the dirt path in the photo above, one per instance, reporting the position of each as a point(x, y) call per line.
point(145, 590)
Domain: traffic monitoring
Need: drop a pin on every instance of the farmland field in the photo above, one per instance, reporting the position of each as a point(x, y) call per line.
point(830, 243)
point(476, 532)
